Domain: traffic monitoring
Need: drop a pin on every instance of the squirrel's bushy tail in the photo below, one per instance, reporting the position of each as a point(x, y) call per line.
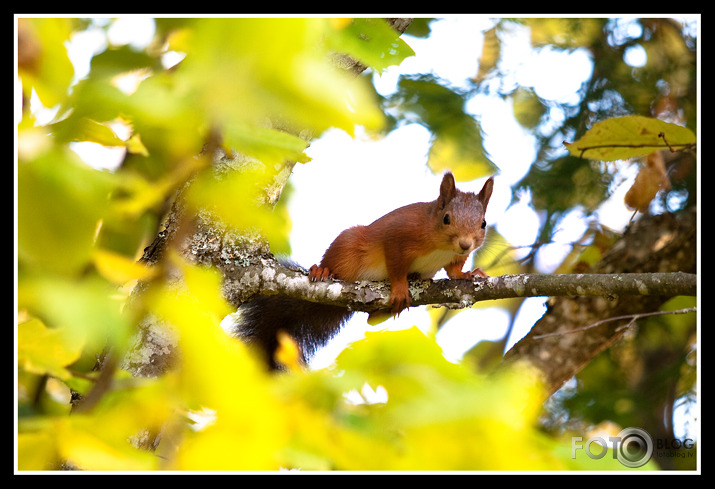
point(311, 325)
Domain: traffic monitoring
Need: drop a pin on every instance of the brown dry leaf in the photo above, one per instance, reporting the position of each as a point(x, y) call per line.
point(650, 180)
point(491, 50)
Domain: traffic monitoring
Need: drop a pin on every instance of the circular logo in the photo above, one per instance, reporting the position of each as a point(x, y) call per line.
point(634, 448)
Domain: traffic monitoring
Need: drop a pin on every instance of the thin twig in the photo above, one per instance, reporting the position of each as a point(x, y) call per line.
point(685, 146)
point(633, 318)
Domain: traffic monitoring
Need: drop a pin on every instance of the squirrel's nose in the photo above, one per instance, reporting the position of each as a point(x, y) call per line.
point(465, 244)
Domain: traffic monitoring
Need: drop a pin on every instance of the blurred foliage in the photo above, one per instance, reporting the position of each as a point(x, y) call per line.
point(266, 87)
point(456, 137)
point(664, 88)
point(221, 411)
point(640, 381)
point(623, 114)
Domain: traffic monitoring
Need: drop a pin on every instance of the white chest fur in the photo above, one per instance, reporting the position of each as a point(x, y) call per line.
point(428, 265)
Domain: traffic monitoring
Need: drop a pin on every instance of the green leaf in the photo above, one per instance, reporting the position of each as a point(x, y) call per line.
point(60, 202)
point(86, 310)
point(566, 182)
point(528, 108)
point(95, 99)
point(116, 61)
point(85, 129)
point(374, 43)
point(277, 69)
point(629, 137)
point(235, 200)
point(457, 138)
point(420, 27)
point(268, 145)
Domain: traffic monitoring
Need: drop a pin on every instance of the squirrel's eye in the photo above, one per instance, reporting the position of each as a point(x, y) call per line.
point(484, 223)
point(446, 219)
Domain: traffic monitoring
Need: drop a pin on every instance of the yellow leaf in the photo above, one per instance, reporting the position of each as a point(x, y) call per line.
point(288, 352)
point(90, 450)
point(491, 50)
point(378, 317)
point(135, 145)
point(211, 359)
point(630, 136)
point(218, 372)
point(46, 351)
point(43, 63)
point(564, 32)
point(464, 156)
point(36, 451)
point(120, 269)
point(86, 129)
point(108, 437)
point(341, 23)
point(235, 444)
point(87, 310)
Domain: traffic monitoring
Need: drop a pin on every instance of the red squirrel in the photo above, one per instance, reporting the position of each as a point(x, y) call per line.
point(416, 240)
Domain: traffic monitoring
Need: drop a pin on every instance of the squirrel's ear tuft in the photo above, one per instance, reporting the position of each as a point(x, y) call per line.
point(486, 191)
point(447, 190)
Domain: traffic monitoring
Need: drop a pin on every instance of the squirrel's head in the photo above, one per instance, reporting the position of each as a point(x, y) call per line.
point(461, 214)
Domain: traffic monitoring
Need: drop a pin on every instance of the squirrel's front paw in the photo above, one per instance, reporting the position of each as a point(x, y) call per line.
point(318, 274)
point(477, 272)
point(399, 299)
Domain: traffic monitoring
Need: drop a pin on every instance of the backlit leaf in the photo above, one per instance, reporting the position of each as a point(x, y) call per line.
point(630, 136)
point(491, 49)
point(46, 351)
point(120, 269)
point(86, 310)
point(278, 68)
point(457, 139)
point(60, 202)
point(235, 199)
point(43, 64)
point(36, 451)
point(218, 372)
point(528, 108)
point(86, 129)
point(372, 42)
point(268, 145)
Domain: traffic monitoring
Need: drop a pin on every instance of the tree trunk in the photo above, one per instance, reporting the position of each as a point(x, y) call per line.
point(661, 243)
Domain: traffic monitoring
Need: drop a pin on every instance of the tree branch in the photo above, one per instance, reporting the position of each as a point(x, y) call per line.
point(653, 261)
point(273, 278)
point(247, 275)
